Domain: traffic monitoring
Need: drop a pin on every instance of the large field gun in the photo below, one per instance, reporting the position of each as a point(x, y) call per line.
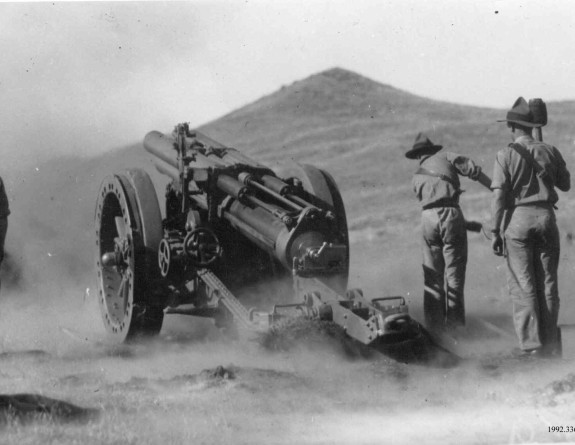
point(230, 225)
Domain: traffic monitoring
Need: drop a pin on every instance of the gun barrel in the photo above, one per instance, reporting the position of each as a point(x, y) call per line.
point(168, 170)
point(254, 201)
point(160, 146)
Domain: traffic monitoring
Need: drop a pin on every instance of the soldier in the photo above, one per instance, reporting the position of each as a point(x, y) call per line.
point(524, 179)
point(4, 212)
point(436, 185)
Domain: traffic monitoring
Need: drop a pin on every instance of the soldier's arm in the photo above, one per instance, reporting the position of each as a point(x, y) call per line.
point(497, 208)
point(464, 166)
point(499, 185)
point(497, 214)
point(563, 179)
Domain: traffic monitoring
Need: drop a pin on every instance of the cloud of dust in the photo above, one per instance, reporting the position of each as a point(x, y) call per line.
point(380, 398)
point(48, 273)
point(48, 302)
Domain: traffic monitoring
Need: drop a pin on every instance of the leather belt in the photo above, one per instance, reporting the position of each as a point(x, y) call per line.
point(542, 204)
point(438, 204)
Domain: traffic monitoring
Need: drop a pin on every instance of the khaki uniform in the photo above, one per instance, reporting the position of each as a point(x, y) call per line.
point(532, 237)
point(436, 185)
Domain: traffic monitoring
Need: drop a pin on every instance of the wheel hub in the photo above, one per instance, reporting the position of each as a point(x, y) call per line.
point(125, 224)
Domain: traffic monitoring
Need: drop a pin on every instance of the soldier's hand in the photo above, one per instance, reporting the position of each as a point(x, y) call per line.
point(497, 244)
point(475, 173)
point(473, 226)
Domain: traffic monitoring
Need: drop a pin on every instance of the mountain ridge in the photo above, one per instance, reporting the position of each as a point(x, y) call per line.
point(355, 128)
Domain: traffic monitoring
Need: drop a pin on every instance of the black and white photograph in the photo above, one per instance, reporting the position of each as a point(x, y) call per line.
point(287, 222)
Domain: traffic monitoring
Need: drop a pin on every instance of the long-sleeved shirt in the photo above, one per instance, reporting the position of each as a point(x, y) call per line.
point(432, 190)
point(519, 178)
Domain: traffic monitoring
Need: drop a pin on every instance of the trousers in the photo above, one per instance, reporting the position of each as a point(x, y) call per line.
point(533, 248)
point(444, 266)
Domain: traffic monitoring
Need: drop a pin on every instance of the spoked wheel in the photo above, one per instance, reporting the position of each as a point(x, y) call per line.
point(128, 232)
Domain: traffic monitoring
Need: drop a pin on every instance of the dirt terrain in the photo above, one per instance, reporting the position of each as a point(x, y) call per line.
point(193, 385)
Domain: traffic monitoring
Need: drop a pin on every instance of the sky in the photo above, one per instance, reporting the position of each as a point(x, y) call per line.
point(79, 77)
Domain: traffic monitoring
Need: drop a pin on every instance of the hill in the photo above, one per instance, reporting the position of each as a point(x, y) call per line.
point(175, 388)
point(353, 127)
point(359, 129)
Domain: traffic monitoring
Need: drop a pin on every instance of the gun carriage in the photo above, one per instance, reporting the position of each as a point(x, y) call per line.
point(229, 223)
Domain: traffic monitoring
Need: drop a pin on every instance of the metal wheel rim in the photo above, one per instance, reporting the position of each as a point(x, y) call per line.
point(115, 283)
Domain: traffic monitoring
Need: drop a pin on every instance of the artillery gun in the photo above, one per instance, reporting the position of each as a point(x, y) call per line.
point(230, 222)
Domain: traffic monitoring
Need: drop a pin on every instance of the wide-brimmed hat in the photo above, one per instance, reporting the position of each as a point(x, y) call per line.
point(422, 145)
point(521, 114)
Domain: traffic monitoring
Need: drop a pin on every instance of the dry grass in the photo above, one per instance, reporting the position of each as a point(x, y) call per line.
point(357, 130)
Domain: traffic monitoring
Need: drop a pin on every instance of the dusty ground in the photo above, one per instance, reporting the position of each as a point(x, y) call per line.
point(172, 390)
point(192, 386)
